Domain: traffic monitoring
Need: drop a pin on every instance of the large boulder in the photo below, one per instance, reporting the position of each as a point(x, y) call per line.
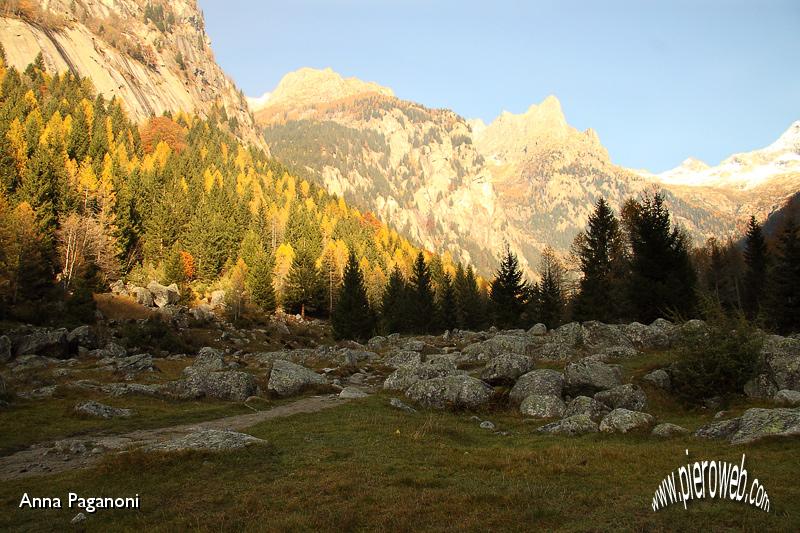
point(628, 396)
point(142, 296)
point(5, 349)
point(231, 385)
point(500, 344)
point(207, 440)
point(721, 429)
point(45, 343)
point(407, 375)
point(756, 424)
point(597, 335)
point(626, 421)
point(787, 397)
point(571, 426)
point(540, 381)
point(208, 360)
point(110, 350)
point(98, 410)
point(398, 358)
point(164, 295)
point(588, 377)
point(217, 299)
point(658, 378)
point(645, 337)
point(782, 361)
point(667, 430)
point(353, 357)
point(538, 330)
point(82, 336)
point(456, 391)
point(542, 406)
point(131, 365)
point(287, 378)
point(583, 405)
point(561, 344)
point(760, 387)
point(506, 368)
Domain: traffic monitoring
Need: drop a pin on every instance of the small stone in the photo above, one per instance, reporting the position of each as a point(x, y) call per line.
point(397, 404)
point(78, 518)
point(486, 424)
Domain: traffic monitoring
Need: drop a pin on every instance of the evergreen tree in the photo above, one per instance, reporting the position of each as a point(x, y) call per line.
point(549, 295)
point(662, 279)
point(782, 301)
point(423, 306)
point(508, 293)
point(447, 303)
point(395, 304)
point(755, 259)
point(173, 267)
point(259, 283)
point(304, 290)
point(352, 317)
point(597, 250)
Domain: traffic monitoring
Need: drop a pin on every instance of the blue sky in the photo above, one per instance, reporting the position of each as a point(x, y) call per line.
point(659, 81)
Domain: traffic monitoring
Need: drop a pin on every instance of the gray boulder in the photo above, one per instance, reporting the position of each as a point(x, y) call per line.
point(647, 337)
point(377, 342)
point(756, 424)
point(589, 377)
point(353, 357)
point(538, 330)
point(98, 410)
point(571, 426)
point(667, 430)
point(399, 358)
point(207, 440)
point(82, 336)
point(407, 375)
point(722, 429)
point(287, 379)
point(231, 385)
point(110, 350)
point(658, 378)
point(352, 393)
point(540, 381)
point(132, 365)
point(583, 405)
point(627, 396)
point(208, 360)
point(761, 386)
point(787, 397)
point(398, 404)
point(542, 406)
point(506, 368)
point(500, 344)
point(164, 295)
point(5, 349)
point(456, 391)
point(118, 288)
point(217, 299)
point(596, 335)
point(626, 421)
point(782, 361)
point(143, 296)
point(45, 343)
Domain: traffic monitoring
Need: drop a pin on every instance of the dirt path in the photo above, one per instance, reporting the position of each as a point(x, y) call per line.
point(74, 453)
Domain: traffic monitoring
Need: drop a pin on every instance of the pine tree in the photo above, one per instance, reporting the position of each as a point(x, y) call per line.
point(352, 317)
point(508, 293)
point(662, 279)
point(549, 293)
point(395, 304)
point(304, 290)
point(447, 303)
point(598, 249)
point(755, 259)
point(259, 283)
point(173, 267)
point(782, 299)
point(422, 302)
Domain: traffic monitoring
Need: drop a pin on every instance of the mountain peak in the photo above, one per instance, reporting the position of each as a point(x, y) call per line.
point(308, 86)
point(789, 140)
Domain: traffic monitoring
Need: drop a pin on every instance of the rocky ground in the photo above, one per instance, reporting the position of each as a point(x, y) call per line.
point(572, 380)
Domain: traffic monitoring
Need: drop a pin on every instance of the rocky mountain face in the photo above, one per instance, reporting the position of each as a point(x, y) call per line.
point(415, 167)
point(529, 180)
point(155, 56)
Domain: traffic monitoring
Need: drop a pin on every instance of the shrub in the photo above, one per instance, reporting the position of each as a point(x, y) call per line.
point(153, 333)
point(716, 361)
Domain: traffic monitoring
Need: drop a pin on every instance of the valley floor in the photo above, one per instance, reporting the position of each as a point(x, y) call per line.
point(367, 466)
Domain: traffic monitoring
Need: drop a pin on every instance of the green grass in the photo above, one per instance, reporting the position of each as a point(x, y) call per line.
point(52, 419)
point(365, 466)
